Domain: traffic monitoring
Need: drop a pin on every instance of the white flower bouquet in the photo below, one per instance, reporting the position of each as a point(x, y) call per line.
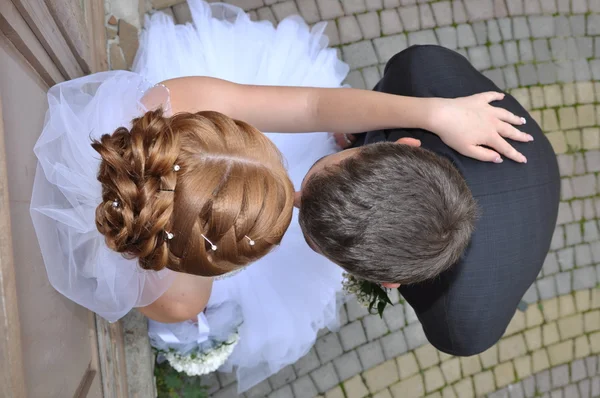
point(199, 362)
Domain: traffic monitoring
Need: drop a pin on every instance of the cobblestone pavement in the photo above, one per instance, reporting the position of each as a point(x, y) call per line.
point(547, 54)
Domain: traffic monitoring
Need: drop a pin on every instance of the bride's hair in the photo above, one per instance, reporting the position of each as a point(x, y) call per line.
point(171, 185)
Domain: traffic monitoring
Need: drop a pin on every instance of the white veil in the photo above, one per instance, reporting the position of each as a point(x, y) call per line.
point(66, 194)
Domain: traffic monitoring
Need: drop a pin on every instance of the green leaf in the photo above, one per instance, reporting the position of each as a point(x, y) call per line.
point(381, 307)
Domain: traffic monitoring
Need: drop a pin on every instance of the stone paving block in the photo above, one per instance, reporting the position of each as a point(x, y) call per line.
point(328, 347)
point(541, 26)
point(571, 391)
point(510, 77)
point(442, 12)
point(546, 287)
point(459, 12)
point(493, 31)
point(426, 15)
point(470, 365)
point(480, 30)
point(584, 185)
point(411, 387)
point(568, 118)
point(573, 138)
point(592, 161)
point(550, 309)
point(540, 360)
point(386, 47)
point(371, 354)
point(550, 334)
point(559, 48)
point(284, 376)
point(541, 50)
point(382, 376)
point(577, 23)
point(394, 344)
point(566, 305)
point(550, 266)
point(325, 378)
point(595, 386)
point(407, 365)
point(593, 25)
point(427, 356)
point(394, 317)
point(347, 365)
point(561, 353)
point(591, 366)
point(547, 72)
point(484, 383)
point(355, 80)
point(584, 388)
point(266, 14)
point(583, 256)
point(451, 370)
point(582, 300)
point(504, 374)
point(354, 6)
point(596, 250)
point(422, 37)
point(591, 321)
point(565, 71)
point(532, 7)
point(285, 9)
point(349, 29)
point(582, 347)
point(369, 25)
point(527, 74)
point(355, 388)
point(497, 55)
point(464, 388)
point(505, 26)
point(585, 47)
point(560, 376)
point(415, 337)
point(330, 9)
point(586, 115)
point(304, 387)
point(480, 57)
point(448, 392)
point(466, 36)
point(309, 10)
point(359, 55)
point(543, 381)
point(511, 50)
point(591, 140)
point(563, 283)
point(562, 27)
point(383, 394)
point(410, 18)
point(489, 358)
point(497, 77)
point(515, 7)
point(533, 338)
point(390, 22)
point(521, 28)
point(410, 314)
point(447, 36)
point(581, 70)
point(352, 335)
point(566, 258)
point(336, 392)
point(374, 326)
point(523, 367)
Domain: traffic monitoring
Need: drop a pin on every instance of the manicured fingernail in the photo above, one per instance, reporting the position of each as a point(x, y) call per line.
point(498, 160)
point(523, 120)
point(524, 159)
point(530, 138)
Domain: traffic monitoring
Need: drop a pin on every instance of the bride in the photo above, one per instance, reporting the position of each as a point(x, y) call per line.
point(151, 192)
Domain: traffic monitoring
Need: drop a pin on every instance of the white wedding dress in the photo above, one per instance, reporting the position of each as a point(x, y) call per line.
point(279, 302)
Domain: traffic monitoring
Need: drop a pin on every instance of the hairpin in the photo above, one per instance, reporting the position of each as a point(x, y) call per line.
point(169, 235)
point(250, 241)
point(176, 168)
point(115, 203)
point(213, 247)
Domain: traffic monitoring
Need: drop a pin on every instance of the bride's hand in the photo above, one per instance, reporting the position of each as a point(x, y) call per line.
point(468, 124)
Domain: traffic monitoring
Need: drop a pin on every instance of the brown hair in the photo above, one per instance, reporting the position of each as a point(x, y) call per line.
point(231, 184)
point(389, 213)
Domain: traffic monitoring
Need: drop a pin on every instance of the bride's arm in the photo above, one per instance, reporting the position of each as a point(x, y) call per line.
point(185, 299)
point(464, 124)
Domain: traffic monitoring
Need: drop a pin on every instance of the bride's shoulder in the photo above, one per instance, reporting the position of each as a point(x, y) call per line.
point(187, 296)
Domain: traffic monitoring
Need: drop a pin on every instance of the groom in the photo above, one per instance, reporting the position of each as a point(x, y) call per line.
point(463, 239)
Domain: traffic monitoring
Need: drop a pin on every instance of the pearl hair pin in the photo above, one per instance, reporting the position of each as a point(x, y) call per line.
point(213, 247)
point(115, 203)
point(176, 167)
point(250, 241)
point(169, 235)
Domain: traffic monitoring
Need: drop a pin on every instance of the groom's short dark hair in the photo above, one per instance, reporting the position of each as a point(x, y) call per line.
point(389, 213)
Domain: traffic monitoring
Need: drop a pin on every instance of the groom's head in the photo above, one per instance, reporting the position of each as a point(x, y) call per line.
point(390, 212)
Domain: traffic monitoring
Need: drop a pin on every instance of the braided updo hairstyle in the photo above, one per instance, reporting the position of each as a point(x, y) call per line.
point(193, 176)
